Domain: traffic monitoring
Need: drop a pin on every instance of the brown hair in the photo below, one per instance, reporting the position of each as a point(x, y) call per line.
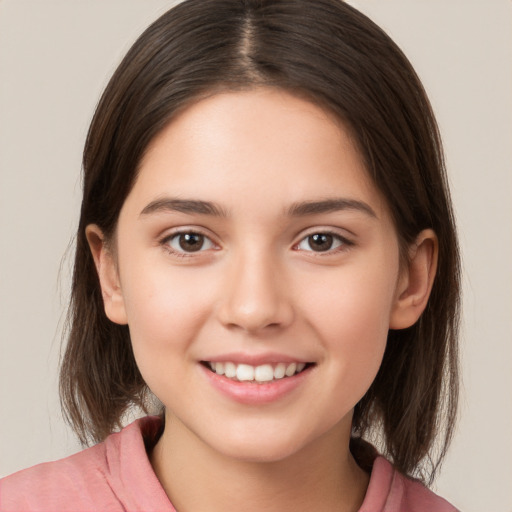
point(330, 53)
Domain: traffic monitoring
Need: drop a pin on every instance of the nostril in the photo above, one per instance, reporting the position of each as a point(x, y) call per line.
point(256, 318)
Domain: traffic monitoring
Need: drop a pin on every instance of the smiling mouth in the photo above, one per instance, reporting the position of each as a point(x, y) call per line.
point(260, 374)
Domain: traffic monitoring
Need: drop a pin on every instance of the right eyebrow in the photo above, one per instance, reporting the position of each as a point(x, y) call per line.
point(192, 206)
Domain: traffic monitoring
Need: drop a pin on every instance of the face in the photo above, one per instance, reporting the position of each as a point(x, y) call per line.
point(258, 270)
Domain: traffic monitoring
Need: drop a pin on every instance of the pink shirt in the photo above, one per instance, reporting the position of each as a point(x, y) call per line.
point(116, 475)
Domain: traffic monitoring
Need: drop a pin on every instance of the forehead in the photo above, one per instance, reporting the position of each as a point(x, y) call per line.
point(257, 145)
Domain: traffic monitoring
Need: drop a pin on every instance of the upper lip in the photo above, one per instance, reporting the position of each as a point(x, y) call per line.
point(255, 359)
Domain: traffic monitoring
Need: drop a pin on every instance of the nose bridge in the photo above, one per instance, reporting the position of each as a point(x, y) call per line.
point(255, 296)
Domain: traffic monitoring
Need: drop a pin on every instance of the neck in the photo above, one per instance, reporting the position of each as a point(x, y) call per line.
point(322, 476)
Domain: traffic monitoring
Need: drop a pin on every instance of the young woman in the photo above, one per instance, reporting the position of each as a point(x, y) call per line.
point(266, 245)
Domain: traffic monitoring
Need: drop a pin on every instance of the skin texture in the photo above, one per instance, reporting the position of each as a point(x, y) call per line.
point(258, 289)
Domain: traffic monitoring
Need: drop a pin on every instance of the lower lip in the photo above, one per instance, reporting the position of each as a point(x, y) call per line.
point(253, 393)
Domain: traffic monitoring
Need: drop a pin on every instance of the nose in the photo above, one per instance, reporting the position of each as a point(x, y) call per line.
point(255, 297)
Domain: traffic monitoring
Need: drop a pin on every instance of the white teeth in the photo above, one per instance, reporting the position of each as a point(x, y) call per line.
point(219, 368)
point(244, 372)
point(230, 370)
point(291, 369)
point(262, 373)
point(279, 371)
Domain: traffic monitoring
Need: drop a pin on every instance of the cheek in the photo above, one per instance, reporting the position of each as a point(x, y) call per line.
point(352, 301)
point(351, 318)
point(158, 294)
point(165, 311)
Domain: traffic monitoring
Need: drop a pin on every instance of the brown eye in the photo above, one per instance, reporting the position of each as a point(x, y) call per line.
point(189, 242)
point(322, 242)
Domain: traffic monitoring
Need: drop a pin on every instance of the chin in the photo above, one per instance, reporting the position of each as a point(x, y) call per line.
point(250, 446)
point(261, 453)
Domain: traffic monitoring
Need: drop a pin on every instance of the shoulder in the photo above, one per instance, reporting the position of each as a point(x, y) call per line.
point(104, 477)
point(60, 485)
point(416, 497)
point(393, 492)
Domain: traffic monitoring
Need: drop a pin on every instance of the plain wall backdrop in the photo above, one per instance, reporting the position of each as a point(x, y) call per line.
point(55, 58)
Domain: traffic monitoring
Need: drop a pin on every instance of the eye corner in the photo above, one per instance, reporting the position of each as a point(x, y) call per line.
point(328, 243)
point(187, 242)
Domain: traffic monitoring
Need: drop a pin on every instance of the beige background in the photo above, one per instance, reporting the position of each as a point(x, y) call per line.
point(55, 58)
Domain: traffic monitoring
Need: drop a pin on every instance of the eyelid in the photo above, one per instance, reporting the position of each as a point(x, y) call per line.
point(184, 230)
point(345, 244)
point(345, 241)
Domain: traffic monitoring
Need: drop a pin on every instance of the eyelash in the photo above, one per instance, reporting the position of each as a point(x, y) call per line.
point(343, 243)
point(166, 243)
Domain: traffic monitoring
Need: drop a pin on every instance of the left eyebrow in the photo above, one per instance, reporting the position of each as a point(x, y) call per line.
point(328, 206)
point(192, 206)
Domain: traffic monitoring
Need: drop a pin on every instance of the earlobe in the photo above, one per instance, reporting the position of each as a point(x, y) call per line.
point(106, 267)
point(416, 281)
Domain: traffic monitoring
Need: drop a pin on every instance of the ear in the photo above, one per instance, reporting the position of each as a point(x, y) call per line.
point(415, 283)
point(106, 267)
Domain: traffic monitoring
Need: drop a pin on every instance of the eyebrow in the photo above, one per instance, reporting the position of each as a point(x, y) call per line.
point(328, 206)
point(184, 206)
point(299, 209)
